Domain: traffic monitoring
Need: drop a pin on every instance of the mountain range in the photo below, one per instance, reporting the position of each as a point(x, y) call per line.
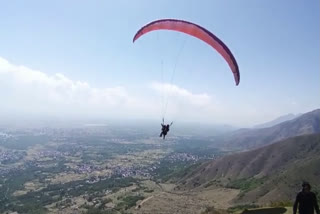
point(244, 139)
point(277, 121)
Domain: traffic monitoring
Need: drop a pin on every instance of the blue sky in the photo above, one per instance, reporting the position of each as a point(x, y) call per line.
point(276, 44)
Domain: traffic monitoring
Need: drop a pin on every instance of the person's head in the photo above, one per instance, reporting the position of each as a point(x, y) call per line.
point(168, 125)
point(306, 187)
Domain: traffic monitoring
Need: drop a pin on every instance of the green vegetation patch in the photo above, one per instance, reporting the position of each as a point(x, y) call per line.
point(241, 207)
point(168, 170)
point(128, 202)
point(281, 204)
point(278, 210)
point(246, 184)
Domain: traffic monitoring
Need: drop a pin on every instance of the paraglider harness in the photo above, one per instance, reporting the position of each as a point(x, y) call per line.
point(165, 129)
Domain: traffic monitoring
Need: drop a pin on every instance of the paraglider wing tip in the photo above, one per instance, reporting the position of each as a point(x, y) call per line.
point(238, 80)
point(135, 38)
point(236, 75)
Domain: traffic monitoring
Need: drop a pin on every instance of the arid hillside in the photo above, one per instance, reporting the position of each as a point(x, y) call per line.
point(270, 173)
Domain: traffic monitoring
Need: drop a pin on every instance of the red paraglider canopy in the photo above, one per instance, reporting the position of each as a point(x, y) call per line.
point(198, 32)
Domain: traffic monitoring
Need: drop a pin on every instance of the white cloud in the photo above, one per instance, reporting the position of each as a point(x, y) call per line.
point(186, 105)
point(182, 94)
point(25, 91)
point(28, 91)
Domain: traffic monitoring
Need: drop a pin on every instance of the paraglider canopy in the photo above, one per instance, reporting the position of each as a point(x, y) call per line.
point(198, 32)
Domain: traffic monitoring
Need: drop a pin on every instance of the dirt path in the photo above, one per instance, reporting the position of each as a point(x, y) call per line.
point(143, 201)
